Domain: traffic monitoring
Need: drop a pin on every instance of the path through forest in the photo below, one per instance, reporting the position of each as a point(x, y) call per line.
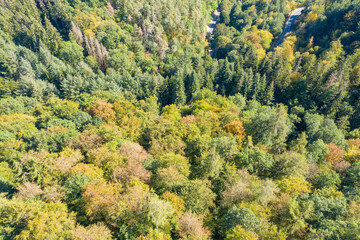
point(210, 29)
point(289, 23)
point(292, 18)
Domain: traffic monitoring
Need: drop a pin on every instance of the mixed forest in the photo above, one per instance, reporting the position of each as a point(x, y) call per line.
point(115, 122)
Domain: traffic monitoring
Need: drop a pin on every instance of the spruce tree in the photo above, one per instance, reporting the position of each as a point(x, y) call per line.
point(194, 85)
point(239, 64)
point(262, 89)
point(179, 96)
point(224, 79)
point(209, 81)
point(269, 94)
point(228, 78)
point(248, 84)
point(239, 82)
point(256, 86)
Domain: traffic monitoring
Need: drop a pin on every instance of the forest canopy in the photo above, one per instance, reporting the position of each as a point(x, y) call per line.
point(116, 123)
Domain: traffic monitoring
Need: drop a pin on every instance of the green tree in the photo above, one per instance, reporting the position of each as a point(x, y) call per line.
point(319, 127)
point(240, 216)
point(351, 182)
point(159, 212)
point(6, 178)
point(239, 233)
point(327, 178)
point(255, 161)
point(42, 220)
point(290, 164)
point(197, 195)
point(179, 96)
point(193, 85)
point(71, 52)
point(270, 126)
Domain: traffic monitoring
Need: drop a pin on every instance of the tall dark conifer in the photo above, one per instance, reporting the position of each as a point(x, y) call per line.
point(256, 86)
point(179, 96)
point(269, 98)
point(194, 85)
point(248, 84)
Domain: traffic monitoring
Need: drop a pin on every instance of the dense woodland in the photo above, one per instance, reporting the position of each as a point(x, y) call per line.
point(115, 123)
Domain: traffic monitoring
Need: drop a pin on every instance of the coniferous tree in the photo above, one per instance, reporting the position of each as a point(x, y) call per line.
point(227, 78)
point(262, 89)
point(239, 81)
point(208, 83)
point(239, 64)
point(179, 96)
point(269, 97)
point(224, 78)
point(257, 86)
point(248, 84)
point(194, 85)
